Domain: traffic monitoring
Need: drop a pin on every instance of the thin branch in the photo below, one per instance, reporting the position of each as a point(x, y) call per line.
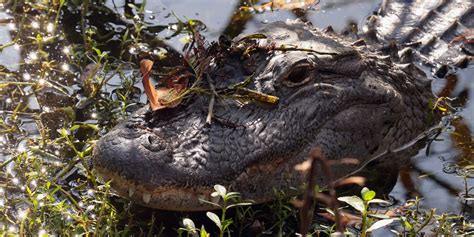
point(317, 157)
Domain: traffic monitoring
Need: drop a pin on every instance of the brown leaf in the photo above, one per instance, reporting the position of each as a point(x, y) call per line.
point(167, 96)
point(351, 180)
point(145, 69)
point(303, 166)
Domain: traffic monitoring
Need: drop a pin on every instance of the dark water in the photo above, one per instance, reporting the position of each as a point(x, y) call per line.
point(437, 177)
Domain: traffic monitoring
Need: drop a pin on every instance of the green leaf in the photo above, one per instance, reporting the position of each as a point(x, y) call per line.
point(231, 196)
point(220, 190)
point(74, 127)
point(41, 196)
point(406, 224)
point(379, 216)
point(133, 6)
point(215, 219)
point(240, 204)
point(367, 194)
point(330, 211)
point(211, 203)
point(379, 224)
point(379, 201)
point(63, 132)
point(226, 223)
point(97, 51)
point(354, 201)
point(189, 224)
point(204, 232)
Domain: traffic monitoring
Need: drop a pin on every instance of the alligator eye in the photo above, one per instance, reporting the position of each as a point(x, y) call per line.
point(298, 76)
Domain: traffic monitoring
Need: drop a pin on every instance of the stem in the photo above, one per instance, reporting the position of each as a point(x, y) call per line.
point(364, 222)
point(466, 193)
point(101, 212)
point(212, 102)
point(224, 208)
point(5, 163)
point(317, 157)
point(7, 45)
point(425, 223)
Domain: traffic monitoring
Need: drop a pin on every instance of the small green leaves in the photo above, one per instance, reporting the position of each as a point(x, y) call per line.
point(367, 194)
point(354, 201)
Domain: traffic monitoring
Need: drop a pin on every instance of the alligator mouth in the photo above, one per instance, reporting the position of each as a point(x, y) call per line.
point(173, 198)
point(188, 196)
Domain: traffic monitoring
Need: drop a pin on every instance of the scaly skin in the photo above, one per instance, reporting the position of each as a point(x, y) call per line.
point(347, 100)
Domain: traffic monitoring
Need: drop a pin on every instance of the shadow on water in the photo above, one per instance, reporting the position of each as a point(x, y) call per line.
point(49, 83)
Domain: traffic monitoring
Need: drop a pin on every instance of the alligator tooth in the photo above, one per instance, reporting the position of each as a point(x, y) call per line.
point(131, 190)
point(146, 197)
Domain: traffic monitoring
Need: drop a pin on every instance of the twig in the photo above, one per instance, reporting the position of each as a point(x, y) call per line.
point(212, 102)
point(317, 157)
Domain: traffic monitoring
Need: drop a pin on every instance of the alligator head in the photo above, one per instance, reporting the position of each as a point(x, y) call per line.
point(345, 99)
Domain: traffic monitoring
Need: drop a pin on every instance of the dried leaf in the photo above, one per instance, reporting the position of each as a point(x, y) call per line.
point(304, 166)
point(163, 97)
point(145, 69)
point(359, 180)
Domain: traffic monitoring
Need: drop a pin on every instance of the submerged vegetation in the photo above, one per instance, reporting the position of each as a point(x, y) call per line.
point(77, 76)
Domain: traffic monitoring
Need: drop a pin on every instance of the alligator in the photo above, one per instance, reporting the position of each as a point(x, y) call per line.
point(359, 98)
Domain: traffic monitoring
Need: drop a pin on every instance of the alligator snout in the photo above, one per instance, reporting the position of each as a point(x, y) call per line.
point(144, 165)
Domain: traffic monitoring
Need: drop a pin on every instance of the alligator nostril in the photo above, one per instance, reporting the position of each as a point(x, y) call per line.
point(154, 143)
